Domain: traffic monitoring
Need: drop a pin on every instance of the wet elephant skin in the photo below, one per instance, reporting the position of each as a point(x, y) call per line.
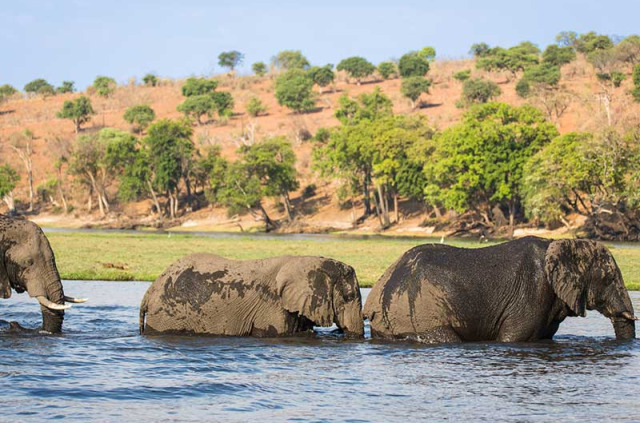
point(281, 296)
point(516, 291)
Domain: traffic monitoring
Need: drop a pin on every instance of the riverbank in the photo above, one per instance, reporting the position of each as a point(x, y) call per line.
point(125, 256)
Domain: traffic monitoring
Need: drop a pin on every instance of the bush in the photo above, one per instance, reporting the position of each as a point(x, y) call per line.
point(290, 59)
point(479, 49)
point(66, 87)
point(412, 64)
point(463, 75)
point(223, 102)
point(309, 191)
point(140, 116)
point(413, 86)
point(477, 90)
point(38, 86)
point(293, 89)
point(259, 68)
point(356, 67)
point(150, 80)
point(6, 90)
point(79, 111)
point(255, 107)
point(198, 86)
point(558, 56)
point(104, 86)
point(230, 59)
point(322, 75)
point(196, 106)
point(523, 89)
point(386, 69)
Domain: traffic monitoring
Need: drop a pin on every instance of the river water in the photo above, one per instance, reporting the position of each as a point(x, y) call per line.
point(101, 370)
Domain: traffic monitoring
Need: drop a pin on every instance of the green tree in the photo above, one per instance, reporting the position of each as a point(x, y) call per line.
point(413, 87)
point(255, 107)
point(558, 56)
point(272, 161)
point(230, 59)
point(150, 80)
point(259, 68)
point(104, 86)
point(39, 86)
point(478, 90)
point(479, 49)
point(594, 175)
point(356, 67)
point(293, 89)
point(322, 76)
point(412, 64)
point(628, 50)
point(7, 90)
point(567, 39)
point(635, 92)
point(428, 53)
point(9, 178)
point(223, 103)
point(66, 87)
point(198, 86)
point(367, 106)
point(89, 165)
point(478, 163)
point(514, 60)
point(140, 116)
point(240, 191)
point(196, 106)
point(79, 111)
point(386, 69)
point(590, 42)
point(171, 158)
point(290, 59)
point(463, 75)
point(210, 172)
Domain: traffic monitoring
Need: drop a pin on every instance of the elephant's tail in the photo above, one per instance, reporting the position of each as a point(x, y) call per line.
point(143, 313)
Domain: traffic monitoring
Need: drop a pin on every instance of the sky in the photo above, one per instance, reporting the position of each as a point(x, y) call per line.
point(79, 39)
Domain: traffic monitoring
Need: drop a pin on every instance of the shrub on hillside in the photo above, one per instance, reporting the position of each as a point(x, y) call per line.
point(356, 67)
point(140, 116)
point(478, 90)
point(386, 69)
point(255, 107)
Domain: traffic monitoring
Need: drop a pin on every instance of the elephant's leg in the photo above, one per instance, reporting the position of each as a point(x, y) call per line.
point(438, 335)
point(517, 332)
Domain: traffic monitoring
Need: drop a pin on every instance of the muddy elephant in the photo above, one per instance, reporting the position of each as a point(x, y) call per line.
point(27, 263)
point(516, 291)
point(281, 296)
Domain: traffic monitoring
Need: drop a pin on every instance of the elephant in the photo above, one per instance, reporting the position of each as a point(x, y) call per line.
point(517, 291)
point(205, 294)
point(27, 263)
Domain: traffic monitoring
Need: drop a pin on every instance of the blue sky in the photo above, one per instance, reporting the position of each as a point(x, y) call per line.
point(77, 39)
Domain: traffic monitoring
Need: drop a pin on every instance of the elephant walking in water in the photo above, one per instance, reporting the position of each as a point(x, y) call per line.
point(27, 263)
point(516, 291)
point(208, 294)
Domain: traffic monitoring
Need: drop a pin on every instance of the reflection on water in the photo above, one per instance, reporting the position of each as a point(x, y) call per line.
point(102, 370)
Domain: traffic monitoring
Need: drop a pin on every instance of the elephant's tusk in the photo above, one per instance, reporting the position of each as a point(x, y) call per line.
point(74, 300)
point(51, 305)
point(628, 316)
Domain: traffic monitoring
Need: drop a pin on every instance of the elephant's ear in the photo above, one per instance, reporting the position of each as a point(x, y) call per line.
point(5, 285)
point(566, 264)
point(306, 291)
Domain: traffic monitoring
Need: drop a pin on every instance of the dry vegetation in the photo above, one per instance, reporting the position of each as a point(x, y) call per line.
point(51, 135)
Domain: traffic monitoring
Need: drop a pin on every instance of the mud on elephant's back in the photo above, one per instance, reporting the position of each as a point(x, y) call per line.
point(208, 294)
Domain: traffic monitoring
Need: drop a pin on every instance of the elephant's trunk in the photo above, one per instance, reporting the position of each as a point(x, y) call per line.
point(624, 328)
point(52, 319)
point(349, 319)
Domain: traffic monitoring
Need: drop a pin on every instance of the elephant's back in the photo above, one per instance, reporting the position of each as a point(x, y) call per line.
point(205, 293)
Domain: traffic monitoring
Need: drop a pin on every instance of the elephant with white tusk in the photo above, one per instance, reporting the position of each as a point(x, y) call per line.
point(280, 296)
point(512, 292)
point(27, 263)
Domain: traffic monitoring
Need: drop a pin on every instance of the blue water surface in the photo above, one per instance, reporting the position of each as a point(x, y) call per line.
point(102, 370)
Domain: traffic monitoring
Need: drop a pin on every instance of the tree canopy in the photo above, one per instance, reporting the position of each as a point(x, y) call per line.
point(356, 67)
point(290, 59)
point(104, 86)
point(230, 59)
point(79, 111)
point(413, 64)
point(140, 116)
point(293, 89)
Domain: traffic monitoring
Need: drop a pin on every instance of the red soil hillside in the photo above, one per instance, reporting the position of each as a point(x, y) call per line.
point(39, 116)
